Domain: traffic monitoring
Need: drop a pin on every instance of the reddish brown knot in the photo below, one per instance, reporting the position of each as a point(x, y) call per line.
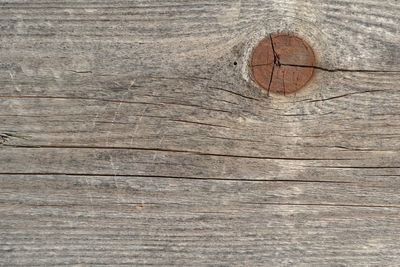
point(282, 63)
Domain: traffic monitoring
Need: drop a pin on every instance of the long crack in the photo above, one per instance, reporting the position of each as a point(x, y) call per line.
point(339, 69)
point(328, 69)
point(276, 62)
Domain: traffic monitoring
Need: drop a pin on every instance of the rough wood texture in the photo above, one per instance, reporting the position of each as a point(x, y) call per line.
point(129, 136)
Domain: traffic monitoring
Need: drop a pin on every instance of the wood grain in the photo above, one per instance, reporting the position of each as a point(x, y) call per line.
point(128, 136)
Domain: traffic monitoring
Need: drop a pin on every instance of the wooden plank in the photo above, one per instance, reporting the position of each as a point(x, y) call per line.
point(129, 136)
point(152, 221)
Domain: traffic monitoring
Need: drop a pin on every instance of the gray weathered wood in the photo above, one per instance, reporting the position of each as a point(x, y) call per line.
point(128, 136)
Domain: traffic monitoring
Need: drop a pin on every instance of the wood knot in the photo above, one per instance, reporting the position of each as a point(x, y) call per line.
point(282, 64)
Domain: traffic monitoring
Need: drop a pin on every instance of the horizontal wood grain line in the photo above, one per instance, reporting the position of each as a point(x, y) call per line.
point(322, 205)
point(119, 122)
point(171, 203)
point(78, 5)
point(356, 167)
point(197, 153)
point(118, 101)
point(200, 123)
point(99, 19)
point(170, 177)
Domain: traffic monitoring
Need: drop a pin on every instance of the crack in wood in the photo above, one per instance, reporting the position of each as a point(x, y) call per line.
point(173, 177)
point(332, 70)
point(344, 95)
point(197, 153)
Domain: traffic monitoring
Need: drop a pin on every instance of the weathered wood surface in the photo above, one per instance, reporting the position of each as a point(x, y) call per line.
point(129, 136)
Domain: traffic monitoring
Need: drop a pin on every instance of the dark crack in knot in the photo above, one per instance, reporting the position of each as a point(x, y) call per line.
point(276, 56)
point(270, 64)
